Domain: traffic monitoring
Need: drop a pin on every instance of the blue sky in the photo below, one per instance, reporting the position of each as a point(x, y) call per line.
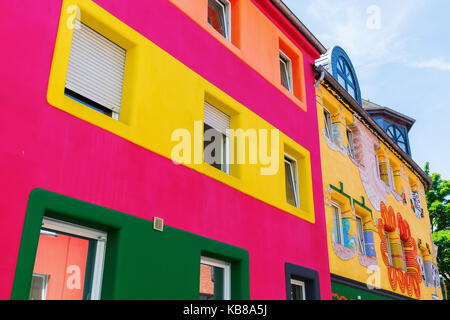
point(401, 53)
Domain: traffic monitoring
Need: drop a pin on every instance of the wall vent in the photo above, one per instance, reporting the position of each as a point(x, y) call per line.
point(158, 224)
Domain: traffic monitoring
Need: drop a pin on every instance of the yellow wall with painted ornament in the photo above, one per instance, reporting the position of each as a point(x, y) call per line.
point(338, 167)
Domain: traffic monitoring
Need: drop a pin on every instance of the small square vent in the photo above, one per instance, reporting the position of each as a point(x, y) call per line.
point(158, 224)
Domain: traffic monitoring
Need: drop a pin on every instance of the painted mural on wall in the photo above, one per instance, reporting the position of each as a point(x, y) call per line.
point(365, 145)
point(349, 247)
point(393, 224)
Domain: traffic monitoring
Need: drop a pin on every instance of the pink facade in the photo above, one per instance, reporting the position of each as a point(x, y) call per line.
point(43, 147)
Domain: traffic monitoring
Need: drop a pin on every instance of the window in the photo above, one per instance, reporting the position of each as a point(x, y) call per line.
point(291, 177)
point(327, 117)
point(345, 77)
point(297, 290)
point(377, 167)
point(360, 237)
point(38, 289)
point(96, 71)
point(391, 176)
point(216, 142)
point(301, 283)
point(215, 279)
point(337, 224)
point(350, 146)
point(286, 72)
point(395, 134)
point(219, 17)
point(69, 262)
point(389, 252)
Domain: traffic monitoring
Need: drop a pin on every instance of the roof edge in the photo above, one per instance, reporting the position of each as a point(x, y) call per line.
point(299, 25)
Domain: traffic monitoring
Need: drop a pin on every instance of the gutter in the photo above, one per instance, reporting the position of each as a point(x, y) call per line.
point(353, 104)
point(299, 25)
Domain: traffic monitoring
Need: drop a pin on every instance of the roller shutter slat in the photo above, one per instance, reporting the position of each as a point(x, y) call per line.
point(216, 118)
point(96, 67)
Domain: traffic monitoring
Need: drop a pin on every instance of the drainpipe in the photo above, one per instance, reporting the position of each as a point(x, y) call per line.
point(321, 77)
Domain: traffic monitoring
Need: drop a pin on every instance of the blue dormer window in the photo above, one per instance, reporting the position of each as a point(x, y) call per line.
point(396, 134)
point(345, 77)
point(337, 62)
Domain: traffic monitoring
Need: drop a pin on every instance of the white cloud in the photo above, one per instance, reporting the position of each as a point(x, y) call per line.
point(347, 23)
point(436, 63)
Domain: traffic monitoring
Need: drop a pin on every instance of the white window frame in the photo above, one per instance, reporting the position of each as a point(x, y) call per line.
point(225, 167)
point(294, 176)
point(389, 252)
point(338, 220)
point(360, 229)
point(226, 273)
point(226, 11)
point(300, 284)
point(99, 236)
point(327, 121)
point(284, 59)
point(86, 94)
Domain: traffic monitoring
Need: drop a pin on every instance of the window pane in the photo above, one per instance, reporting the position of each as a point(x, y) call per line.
point(297, 290)
point(38, 287)
point(215, 144)
point(327, 118)
point(68, 263)
point(361, 242)
point(214, 280)
point(217, 16)
point(291, 183)
point(285, 76)
point(337, 224)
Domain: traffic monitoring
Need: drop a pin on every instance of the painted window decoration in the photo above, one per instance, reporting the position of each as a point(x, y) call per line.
point(297, 290)
point(345, 77)
point(215, 279)
point(291, 178)
point(399, 252)
point(396, 134)
point(219, 17)
point(286, 72)
point(416, 205)
point(96, 71)
point(388, 248)
point(69, 262)
point(216, 141)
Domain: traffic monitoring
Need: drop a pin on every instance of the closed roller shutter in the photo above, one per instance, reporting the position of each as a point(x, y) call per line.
point(216, 119)
point(96, 68)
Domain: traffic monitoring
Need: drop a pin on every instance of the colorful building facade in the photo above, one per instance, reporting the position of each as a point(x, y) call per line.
point(106, 190)
point(378, 227)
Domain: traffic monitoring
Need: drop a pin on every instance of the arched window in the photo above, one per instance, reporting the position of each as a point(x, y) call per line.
point(345, 76)
point(338, 63)
point(395, 134)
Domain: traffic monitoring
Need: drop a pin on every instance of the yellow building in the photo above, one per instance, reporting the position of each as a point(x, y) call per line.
point(378, 227)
